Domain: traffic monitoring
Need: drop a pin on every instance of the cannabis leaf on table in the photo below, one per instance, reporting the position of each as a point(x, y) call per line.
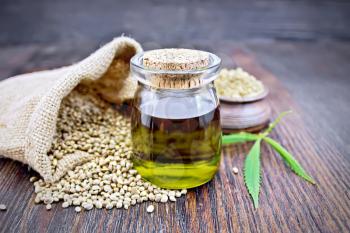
point(252, 162)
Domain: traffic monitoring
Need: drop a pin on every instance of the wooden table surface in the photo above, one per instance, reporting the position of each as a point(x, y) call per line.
point(287, 203)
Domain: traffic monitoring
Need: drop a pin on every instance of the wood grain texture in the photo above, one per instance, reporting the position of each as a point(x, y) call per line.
point(287, 203)
point(76, 21)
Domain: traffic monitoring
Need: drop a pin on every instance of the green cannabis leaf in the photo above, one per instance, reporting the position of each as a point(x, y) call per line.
point(276, 121)
point(252, 161)
point(289, 159)
point(252, 172)
point(239, 137)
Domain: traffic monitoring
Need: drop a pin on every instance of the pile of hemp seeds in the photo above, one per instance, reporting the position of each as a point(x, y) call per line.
point(88, 123)
point(237, 83)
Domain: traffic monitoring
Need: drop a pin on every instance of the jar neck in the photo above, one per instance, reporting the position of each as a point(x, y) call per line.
point(177, 92)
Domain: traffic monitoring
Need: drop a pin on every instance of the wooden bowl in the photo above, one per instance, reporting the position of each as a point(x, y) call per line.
point(250, 115)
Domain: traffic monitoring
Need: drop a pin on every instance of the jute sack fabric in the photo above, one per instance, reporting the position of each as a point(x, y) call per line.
point(29, 104)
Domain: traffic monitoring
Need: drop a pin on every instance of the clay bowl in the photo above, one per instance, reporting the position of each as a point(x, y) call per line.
point(245, 114)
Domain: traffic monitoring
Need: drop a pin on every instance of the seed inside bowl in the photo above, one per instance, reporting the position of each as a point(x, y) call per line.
point(237, 84)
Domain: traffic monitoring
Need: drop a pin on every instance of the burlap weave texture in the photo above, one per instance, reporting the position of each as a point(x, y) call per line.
point(29, 103)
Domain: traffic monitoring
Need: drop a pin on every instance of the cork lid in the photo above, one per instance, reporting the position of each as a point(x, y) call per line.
point(175, 59)
point(175, 68)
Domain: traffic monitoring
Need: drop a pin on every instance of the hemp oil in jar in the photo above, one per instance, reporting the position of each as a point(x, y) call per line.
point(176, 132)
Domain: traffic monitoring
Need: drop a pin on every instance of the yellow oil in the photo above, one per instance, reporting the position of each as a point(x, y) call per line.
point(177, 175)
point(176, 153)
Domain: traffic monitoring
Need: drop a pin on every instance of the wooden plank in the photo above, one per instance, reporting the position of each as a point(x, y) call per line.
point(317, 76)
point(287, 203)
point(324, 207)
point(13, 58)
point(181, 21)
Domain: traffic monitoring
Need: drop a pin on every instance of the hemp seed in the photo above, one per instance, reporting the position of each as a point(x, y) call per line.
point(235, 170)
point(3, 207)
point(150, 208)
point(48, 206)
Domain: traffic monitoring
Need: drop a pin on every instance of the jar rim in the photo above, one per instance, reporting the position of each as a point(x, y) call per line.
point(202, 76)
point(137, 63)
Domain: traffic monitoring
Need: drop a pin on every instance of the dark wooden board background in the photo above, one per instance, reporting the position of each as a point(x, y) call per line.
point(287, 203)
point(300, 49)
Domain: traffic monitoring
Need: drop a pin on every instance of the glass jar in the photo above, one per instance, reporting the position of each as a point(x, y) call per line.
point(176, 132)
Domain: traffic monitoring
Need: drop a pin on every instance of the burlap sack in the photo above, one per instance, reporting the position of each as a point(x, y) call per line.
point(29, 103)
